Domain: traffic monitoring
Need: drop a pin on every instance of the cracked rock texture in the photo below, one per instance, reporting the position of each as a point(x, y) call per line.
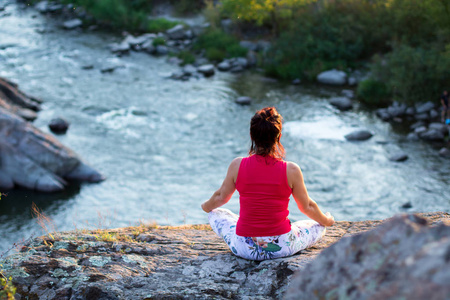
point(151, 262)
point(30, 158)
point(403, 258)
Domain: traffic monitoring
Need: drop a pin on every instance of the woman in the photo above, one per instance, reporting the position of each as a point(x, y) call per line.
point(265, 182)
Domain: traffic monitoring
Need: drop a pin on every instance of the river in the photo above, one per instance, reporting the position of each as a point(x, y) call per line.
point(165, 145)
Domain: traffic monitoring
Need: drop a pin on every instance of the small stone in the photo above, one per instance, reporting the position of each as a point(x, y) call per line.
point(342, 103)
point(237, 69)
point(206, 70)
point(58, 125)
point(444, 152)
point(383, 114)
point(243, 100)
point(249, 45)
point(189, 69)
point(332, 77)
point(432, 135)
point(176, 33)
point(161, 50)
point(358, 135)
point(425, 107)
point(419, 130)
point(87, 67)
point(224, 66)
point(296, 81)
point(398, 157)
point(121, 48)
point(72, 24)
point(407, 205)
point(348, 93)
point(412, 136)
point(422, 117)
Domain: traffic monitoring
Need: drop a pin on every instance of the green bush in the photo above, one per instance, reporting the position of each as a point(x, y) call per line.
point(122, 14)
point(159, 41)
point(373, 92)
point(218, 45)
point(187, 57)
point(7, 289)
point(414, 74)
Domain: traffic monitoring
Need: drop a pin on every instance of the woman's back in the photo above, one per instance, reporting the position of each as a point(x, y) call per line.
point(264, 197)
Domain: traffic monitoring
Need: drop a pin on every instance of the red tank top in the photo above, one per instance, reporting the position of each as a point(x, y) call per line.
point(264, 197)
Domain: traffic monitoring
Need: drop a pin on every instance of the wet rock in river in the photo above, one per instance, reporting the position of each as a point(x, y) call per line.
point(206, 70)
point(342, 103)
point(58, 125)
point(432, 135)
point(424, 107)
point(444, 152)
point(176, 33)
point(243, 100)
point(296, 81)
point(30, 158)
point(122, 48)
point(404, 258)
point(72, 24)
point(359, 135)
point(440, 127)
point(348, 93)
point(224, 66)
point(398, 157)
point(189, 69)
point(35, 160)
point(161, 50)
point(383, 114)
point(332, 77)
point(407, 205)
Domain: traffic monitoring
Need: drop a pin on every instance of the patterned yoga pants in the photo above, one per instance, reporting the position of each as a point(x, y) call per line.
point(303, 235)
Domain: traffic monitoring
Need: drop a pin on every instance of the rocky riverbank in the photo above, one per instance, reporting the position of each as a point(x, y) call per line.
point(30, 158)
point(153, 262)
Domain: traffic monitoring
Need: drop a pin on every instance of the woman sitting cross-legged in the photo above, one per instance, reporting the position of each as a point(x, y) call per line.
point(265, 182)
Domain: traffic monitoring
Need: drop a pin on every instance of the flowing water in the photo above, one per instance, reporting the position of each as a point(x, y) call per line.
point(165, 145)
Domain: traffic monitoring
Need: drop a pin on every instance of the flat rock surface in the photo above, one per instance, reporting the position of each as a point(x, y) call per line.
point(152, 262)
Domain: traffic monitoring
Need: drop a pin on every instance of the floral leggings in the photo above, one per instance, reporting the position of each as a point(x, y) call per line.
point(303, 235)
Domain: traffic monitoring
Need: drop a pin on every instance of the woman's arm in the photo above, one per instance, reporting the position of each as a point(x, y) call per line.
point(306, 205)
point(224, 193)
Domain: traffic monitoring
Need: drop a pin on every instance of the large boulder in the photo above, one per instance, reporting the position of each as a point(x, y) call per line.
point(30, 158)
point(159, 262)
point(332, 77)
point(403, 258)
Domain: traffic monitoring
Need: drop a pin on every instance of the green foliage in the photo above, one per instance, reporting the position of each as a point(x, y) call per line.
point(186, 7)
point(373, 92)
point(130, 15)
point(160, 24)
point(187, 57)
point(159, 41)
point(414, 74)
point(262, 11)
point(124, 14)
point(219, 45)
point(7, 289)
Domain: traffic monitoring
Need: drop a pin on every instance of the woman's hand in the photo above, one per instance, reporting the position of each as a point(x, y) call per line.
point(330, 220)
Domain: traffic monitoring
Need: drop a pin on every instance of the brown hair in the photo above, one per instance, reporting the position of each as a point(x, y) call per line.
point(265, 132)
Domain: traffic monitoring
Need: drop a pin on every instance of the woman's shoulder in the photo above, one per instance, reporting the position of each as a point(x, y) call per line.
point(292, 167)
point(235, 163)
